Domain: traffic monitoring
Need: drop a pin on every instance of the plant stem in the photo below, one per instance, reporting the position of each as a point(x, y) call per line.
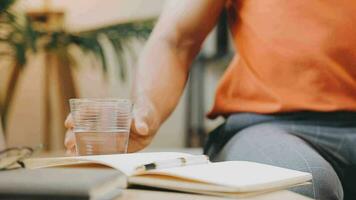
point(47, 102)
point(10, 92)
point(2, 130)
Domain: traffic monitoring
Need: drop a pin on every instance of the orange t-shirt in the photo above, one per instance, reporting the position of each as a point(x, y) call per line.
point(294, 55)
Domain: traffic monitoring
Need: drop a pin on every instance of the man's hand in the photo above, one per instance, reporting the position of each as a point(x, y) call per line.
point(144, 126)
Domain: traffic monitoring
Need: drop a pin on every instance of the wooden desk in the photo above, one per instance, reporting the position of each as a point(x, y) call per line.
point(136, 194)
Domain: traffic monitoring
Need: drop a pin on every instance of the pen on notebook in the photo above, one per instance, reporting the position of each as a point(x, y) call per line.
point(176, 162)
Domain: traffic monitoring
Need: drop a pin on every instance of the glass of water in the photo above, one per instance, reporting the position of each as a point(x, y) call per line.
point(101, 126)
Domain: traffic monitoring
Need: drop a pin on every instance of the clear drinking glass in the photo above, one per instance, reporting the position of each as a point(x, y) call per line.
point(101, 126)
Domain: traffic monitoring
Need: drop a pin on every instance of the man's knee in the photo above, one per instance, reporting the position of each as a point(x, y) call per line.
point(263, 132)
point(274, 145)
point(326, 184)
point(250, 142)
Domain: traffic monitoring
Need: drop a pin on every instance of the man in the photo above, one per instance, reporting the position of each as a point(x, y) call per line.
point(289, 98)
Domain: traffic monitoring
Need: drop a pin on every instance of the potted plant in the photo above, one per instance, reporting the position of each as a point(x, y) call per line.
point(42, 31)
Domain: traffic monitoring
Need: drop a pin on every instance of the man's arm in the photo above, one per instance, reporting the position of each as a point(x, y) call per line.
point(164, 64)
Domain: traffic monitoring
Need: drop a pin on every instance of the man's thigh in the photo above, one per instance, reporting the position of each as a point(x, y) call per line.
point(272, 144)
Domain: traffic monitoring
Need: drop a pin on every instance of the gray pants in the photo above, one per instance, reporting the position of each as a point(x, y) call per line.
point(323, 144)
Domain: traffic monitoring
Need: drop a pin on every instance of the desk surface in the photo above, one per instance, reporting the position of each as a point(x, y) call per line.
point(136, 194)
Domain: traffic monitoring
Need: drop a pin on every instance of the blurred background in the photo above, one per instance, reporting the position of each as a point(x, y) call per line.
point(53, 50)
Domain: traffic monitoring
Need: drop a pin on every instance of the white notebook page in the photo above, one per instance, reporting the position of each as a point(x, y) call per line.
point(242, 176)
point(126, 163)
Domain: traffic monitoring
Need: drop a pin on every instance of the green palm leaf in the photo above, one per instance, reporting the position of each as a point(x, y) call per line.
point(5, 5)
point(23, 37)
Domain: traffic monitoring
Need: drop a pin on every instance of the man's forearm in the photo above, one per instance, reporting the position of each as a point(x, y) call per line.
point(164, 64)
point(161, 75)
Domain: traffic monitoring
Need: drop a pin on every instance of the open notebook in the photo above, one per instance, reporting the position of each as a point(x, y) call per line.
point(230, 178)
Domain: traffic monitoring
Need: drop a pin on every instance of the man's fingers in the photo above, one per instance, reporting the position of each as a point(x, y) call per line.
point(140, 127)
point(69, 122)
point(71, 152)
point(69, 141)
point(139, 123)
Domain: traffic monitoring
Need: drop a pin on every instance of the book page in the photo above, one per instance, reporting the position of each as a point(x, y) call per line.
point(239, 176)
point(126, 163)
point(173, 183)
